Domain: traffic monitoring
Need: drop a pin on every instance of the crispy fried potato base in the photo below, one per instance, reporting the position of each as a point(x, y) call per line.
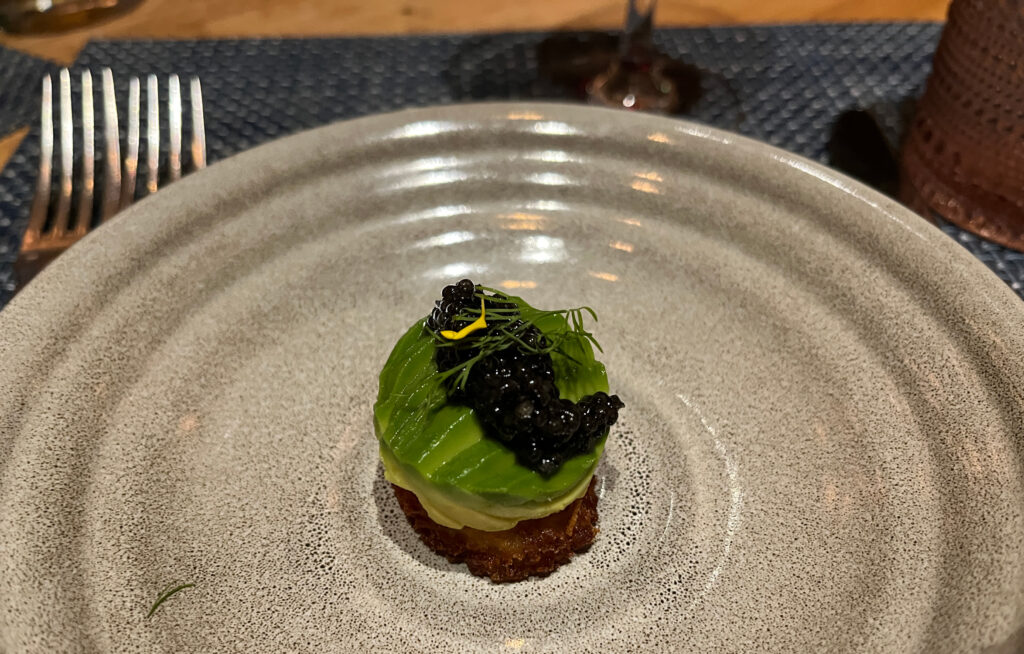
point(532, 547)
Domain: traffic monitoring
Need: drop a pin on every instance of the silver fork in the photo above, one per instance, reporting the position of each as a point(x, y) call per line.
point(50, 230)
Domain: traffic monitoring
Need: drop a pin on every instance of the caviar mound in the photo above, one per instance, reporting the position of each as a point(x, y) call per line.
point(512, 387)
point(532, 547)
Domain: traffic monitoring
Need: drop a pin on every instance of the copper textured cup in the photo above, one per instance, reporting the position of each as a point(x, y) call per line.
point(964, 155)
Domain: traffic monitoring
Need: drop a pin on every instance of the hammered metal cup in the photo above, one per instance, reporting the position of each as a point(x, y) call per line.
point(964, 155)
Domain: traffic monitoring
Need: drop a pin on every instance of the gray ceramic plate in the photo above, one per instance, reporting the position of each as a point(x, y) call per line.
point(822, 448)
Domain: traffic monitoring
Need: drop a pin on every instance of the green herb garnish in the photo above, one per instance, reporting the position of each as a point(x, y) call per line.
point(506, 327)
point(165, 593)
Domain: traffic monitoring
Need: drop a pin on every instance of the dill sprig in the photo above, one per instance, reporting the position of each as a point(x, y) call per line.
point(506, 327)
point(165, 593)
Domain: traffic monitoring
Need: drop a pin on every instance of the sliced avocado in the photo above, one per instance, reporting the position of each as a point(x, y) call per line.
point(446, 444)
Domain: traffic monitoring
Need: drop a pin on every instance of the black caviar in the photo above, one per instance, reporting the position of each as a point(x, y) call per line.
point(513, 390)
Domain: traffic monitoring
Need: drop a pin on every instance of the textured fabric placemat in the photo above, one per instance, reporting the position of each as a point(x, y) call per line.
point(19, 88)
point(781, 84)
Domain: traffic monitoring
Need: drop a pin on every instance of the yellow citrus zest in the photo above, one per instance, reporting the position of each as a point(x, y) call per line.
point(479, 323)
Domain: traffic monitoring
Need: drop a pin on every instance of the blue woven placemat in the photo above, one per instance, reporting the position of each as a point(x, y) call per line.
point(20, 76)
point(782, 84)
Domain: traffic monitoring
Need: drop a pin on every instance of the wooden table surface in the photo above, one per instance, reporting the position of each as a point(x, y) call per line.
point(238, 18)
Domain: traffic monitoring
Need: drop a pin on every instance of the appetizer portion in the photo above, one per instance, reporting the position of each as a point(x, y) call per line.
point(491, 417)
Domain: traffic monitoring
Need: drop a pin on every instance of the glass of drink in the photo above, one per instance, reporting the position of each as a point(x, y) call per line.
point(636, 78)
point(37, 16)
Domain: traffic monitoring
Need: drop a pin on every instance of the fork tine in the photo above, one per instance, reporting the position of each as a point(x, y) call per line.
point(60, 219)
point(85, 194)
point(198, 125)
point(174, 126)
point(152, 132)
point(131, 157)
point(112, 139)
point(41, 200)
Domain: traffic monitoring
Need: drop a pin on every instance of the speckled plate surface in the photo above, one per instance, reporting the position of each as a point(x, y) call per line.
point(821, 451)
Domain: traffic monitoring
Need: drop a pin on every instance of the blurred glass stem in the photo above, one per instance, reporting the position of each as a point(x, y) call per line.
point(639, 22)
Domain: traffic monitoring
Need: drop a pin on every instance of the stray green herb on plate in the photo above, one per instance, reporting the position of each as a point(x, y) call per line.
point(164, 594)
